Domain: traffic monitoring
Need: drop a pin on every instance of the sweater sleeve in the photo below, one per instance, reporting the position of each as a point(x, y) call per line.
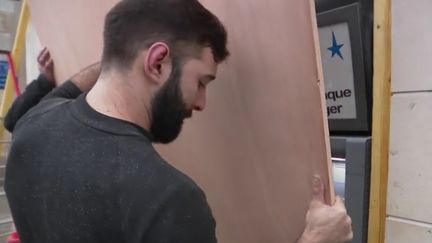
point(181, 215)
point(67, 90)
point(34, 92)
point(186, 218)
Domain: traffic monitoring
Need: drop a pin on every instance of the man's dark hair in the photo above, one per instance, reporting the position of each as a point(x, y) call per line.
point(185, 25)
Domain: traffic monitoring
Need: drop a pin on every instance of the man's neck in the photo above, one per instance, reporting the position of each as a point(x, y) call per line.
point(115, 96)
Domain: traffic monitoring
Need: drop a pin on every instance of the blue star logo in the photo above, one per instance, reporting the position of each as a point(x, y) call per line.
point(335, 48)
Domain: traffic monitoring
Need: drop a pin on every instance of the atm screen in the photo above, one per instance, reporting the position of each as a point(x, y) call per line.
point(3, 73)
point(339, 176)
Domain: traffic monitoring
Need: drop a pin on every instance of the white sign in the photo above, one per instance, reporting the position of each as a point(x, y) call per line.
point(338, 71)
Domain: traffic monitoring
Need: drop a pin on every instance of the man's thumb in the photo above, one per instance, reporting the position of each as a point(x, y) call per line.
point(318, 189)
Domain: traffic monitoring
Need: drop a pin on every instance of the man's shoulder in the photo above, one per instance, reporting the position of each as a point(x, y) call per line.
point(149, 169)
point(42, 108)
point(47, 105)
point(151, 161)
point(176, 206)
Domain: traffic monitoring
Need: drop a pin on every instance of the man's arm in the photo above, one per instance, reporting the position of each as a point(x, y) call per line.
point(38, 89)
point(34, 92)
point(326, 224)
point(77, 84)
point(186, 218)
point(181, 214)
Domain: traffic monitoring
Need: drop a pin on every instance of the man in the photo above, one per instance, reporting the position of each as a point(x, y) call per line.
point(85, 170)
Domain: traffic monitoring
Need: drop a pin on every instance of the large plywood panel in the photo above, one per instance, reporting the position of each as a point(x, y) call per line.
point(412, 49)
point(403, 231)
point(255, 148)
point(262, 137)
point(72, 30)
point(410, 168)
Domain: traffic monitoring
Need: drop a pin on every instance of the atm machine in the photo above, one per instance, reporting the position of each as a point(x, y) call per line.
point(345, 30)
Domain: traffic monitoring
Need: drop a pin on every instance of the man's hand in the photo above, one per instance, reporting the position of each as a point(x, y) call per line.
point(86, 78)
point(326, 224)
point(46, 65)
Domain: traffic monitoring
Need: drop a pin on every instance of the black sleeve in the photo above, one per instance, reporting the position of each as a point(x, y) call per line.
point(186, 218)
point(173, 214)
point(67, 90)
point(34, 92)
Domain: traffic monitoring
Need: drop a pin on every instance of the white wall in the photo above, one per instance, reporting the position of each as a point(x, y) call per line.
point(409, 203)
point(33, 47)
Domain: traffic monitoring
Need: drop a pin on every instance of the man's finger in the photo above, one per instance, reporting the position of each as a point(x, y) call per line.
point(39, 57)
point(349, 237)
point(339, 202)
point(49, 63)
point(45, 57)
point(42, 57)
point(41, 52)
point(318, 189)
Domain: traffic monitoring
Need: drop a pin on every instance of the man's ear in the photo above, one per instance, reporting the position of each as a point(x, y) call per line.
point(157, 60)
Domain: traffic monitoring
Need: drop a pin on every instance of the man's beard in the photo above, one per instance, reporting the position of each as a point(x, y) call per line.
point(169, 109)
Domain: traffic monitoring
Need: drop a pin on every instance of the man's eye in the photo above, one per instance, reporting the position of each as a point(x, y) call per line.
point(201, 84)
